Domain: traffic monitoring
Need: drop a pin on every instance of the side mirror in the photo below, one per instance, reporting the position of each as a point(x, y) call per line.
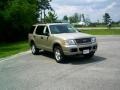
point(47, 34)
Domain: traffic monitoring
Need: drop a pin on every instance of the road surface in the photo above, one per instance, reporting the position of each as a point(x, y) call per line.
point(41, 72)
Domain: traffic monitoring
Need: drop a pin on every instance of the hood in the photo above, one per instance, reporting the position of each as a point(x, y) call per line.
point(66, 36)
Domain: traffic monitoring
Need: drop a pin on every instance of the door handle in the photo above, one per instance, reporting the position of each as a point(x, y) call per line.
point(41, 37)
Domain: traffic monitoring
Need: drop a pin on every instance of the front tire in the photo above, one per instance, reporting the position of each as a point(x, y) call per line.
point(34, 50)
point(58, 54)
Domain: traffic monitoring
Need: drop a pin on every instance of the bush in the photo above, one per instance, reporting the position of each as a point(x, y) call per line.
point(17, 18)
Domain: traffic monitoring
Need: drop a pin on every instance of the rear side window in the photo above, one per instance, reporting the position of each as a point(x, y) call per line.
point(40, 30)
point(32, 29)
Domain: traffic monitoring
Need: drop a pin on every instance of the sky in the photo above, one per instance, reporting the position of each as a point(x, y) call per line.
point(94, 9)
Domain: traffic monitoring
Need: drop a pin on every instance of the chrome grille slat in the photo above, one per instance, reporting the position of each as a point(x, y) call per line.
point(83, 40)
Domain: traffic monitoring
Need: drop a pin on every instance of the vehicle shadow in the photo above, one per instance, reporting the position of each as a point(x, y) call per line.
point(83, 60)
point(76, 60)
point(47, 54)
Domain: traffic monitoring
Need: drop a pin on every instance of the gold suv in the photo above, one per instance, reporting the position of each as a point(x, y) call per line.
point(62, 39)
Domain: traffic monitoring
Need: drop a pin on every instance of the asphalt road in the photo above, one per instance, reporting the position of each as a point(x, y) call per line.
point(41, 72)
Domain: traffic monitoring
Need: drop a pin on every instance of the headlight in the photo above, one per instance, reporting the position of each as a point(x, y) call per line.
point(93, 40)
point(70, 42)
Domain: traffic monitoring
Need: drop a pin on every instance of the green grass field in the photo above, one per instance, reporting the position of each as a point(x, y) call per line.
point(13, 48)
point(102, 32)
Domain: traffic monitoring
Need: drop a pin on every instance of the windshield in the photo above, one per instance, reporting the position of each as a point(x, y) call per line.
point(64, 28)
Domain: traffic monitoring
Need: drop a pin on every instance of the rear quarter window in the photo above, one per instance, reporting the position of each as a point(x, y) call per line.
point(40, 30)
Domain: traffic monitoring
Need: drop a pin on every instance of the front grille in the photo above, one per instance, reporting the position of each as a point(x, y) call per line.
point(83, 40)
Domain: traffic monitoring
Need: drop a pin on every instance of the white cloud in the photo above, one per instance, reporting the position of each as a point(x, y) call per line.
point(78, 2)
point(109, 7)
point(70, 10)
point(89, 1)
point(65, 9)
point(94, 8)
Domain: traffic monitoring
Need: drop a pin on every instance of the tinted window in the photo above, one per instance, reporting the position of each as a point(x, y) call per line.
point(40, 30)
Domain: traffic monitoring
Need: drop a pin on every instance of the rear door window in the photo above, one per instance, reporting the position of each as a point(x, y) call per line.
point(40, 30)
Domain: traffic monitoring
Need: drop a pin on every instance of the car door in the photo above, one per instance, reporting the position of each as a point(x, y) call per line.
point(39, 36)
point(47, 39)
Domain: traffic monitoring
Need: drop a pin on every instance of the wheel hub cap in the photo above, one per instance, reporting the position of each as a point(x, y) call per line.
point(33, 49)
point(57, 55)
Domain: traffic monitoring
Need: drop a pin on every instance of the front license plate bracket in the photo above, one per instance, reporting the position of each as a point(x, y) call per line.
point(87, 51)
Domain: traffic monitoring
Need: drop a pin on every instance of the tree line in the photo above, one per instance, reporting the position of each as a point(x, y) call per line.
point(75, 18)
point(17, 17)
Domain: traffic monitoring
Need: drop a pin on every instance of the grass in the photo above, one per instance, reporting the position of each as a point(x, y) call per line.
point(8, 49)
point(102, 31)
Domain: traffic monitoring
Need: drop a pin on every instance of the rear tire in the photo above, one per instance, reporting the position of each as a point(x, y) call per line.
point(34, 50)
point(58, 54)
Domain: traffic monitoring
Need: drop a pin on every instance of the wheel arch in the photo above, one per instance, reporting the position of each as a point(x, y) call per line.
point(56, 44)
point(32, 42)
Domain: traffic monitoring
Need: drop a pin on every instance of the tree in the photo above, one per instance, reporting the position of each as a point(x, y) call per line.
point(17, 17)
point(87, 21)
point(72, 19)
point(107, 18)
point(3, 4)
point(65, 18)
point(43, 5)
point(51, 18)
point(76, 17)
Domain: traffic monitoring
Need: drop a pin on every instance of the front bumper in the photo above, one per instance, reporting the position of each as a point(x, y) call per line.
point(78, 49)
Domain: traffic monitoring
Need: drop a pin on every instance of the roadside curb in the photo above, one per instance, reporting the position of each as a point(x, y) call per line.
point(14, 56)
